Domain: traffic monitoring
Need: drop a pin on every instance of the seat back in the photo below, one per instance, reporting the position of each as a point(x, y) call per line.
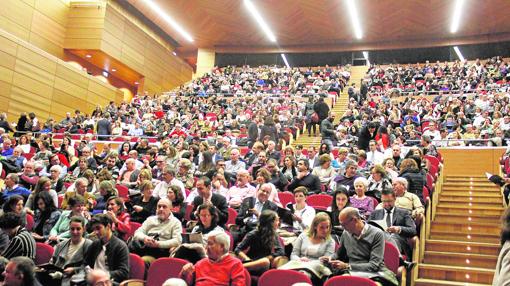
point(349, 281)
point(282, 278)
point(285, 198)
point(425, 193)
point(163, 268)
point(134, 226)
point(320, 200)
point(123, 191)
point(43, 253)
point(30, 222)
point(136, 267)
point(232, 214)
point(391, 257)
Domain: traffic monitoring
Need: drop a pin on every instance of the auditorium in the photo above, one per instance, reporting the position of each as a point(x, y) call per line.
point(254, 142)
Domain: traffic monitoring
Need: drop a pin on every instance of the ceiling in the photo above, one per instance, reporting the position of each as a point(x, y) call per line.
point(325, 25)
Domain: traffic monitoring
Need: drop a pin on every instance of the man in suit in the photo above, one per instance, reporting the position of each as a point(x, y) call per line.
point(108, 252)
point(400, 224)
point(205, 195)
point(104, 128)
point(251, 208)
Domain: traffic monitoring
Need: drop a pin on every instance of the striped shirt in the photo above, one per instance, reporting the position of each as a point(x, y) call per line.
point(22, 244)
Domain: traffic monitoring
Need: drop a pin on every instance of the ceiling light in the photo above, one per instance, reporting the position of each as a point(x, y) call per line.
point(259, 20)
point(365, 55)
point(114, 70)
point(169, 20)
point(457, 9)
point(285, 61)
point(353, 12)
point(105, 73)
point(137, 83)
point(174, 53)
point(459, 54)
point(88, 56)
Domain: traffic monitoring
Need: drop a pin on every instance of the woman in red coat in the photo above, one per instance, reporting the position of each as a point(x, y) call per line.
point(117, 212)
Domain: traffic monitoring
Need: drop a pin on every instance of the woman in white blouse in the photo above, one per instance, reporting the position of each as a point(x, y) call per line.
point(303, 214)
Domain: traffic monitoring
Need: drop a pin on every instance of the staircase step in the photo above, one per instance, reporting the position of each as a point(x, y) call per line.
point(465, 227)
point(455, 236)
point(461, 259)
point(462, 247)
point(434, 282)
point(466, 210)
point(466, 194)
point(455, 273)
point(473, 201)
point(467, 188)
point(455, 218)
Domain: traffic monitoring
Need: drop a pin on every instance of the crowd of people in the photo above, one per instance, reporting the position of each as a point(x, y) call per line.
point(459, 76)
point(183, 164)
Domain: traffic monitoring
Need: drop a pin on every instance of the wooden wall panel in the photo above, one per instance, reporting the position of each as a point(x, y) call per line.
point(32, 80)
point(40, 22)
point(486, 159)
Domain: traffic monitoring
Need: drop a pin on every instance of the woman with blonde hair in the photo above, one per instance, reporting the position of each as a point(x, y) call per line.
point(310, 246)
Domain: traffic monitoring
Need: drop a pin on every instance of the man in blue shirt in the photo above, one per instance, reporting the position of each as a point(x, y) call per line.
point(12, 187)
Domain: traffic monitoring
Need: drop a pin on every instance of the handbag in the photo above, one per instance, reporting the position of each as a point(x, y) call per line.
point(315, 117)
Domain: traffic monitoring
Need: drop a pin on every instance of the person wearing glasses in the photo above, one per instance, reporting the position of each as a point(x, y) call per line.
point(169, 179)
point(361, 250)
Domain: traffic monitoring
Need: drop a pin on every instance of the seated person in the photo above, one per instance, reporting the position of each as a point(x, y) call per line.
point(407, 200)
point(303, 214)
point(129, 176)
point(120, 218)
point(305, 178)
point(159, 234)
point(81, 189)
point(20, 271)
point(21, 241)
point(106, 191)
point(169, 179)
point(108, 252)
point(316, 242)
point(339, 202)
point(219, 268)
point(205, 195)
point(12, 188)
point(324, 171)
point(46, 216)
point(28, 178)
point(61, 230)
point(69, 253)
point(363, 203)
point(43, 185)
point(251, 208)
point(241, 190)
point(207, 223)
point(346, 180)
point(144, 206)
point(361, 250)
point(399, 223)
point(98, 277)
point(261, 249)
point(175, 195)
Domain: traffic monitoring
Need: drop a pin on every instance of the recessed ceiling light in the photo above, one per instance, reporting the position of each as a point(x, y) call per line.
point(88, 56)
point(263, 25)
point(169, 20)
point(457, 10)
point(174, 53)
point(285, 61)
point(114, 70)
point(353, 13)
point(136, 83)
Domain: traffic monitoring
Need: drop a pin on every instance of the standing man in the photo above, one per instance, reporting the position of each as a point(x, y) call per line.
point(104, 128)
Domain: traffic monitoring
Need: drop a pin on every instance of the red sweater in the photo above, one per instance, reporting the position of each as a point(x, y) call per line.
point(229, 271)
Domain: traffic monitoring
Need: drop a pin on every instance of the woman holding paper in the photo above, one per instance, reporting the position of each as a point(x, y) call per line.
point(303, 214)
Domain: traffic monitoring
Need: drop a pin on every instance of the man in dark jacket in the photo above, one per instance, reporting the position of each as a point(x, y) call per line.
point(305, 178)
point(328, 131)
point(108, 252)
point(253, 132)
point(322, 109)
point(366, 134)
point(104, 128)
point(400, 225)
point(206, 195)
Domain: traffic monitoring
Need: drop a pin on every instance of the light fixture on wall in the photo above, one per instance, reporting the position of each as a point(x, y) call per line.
point(285, 61)
point(459, 54)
